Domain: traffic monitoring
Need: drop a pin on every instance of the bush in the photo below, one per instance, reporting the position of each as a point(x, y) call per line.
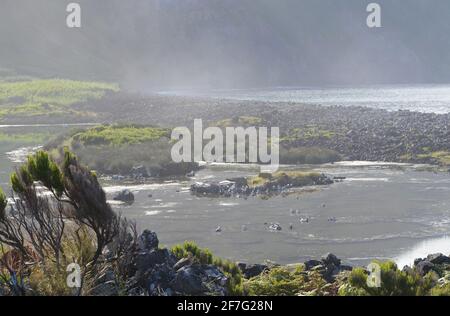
point(393, 282)
point(287, 281)
point(70, 222)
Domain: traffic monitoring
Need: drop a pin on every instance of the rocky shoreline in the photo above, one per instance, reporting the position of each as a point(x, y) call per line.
point(357, 133)
point(159, 271)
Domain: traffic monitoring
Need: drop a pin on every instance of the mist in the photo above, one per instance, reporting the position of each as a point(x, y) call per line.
point(171, 44)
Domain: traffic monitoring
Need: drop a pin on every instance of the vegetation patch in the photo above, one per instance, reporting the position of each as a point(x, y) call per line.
point(48, 97)
point(119, 135)
point(121, 149)
point(295, 178)
point(189, 249)
point(287, 281)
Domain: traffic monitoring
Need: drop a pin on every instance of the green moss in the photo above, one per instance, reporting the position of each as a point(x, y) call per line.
point(119, 135)
point(295, 177)
point(48, 97)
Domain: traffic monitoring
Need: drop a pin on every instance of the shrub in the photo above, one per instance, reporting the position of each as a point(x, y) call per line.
point(286, 281)
point(46, 232)
point(393, 282)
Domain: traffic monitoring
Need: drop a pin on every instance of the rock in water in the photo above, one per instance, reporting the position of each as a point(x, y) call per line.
point(331, 259)
point(124, 196)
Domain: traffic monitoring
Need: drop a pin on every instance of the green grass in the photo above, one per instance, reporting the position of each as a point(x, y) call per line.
point(120, 135)
point(293, 176)
point(49, 96)
point(443, 157)
point(116, 149)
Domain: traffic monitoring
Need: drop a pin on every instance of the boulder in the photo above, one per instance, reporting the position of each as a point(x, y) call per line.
point(124, 196)
point(148, 240)
point(252, 270)
point(148, 260)
point(424, 267)
point(188, 281)
point(311, 264)
point(438, 258)
point(416, 261)
point(331, 259)
point(182, 263)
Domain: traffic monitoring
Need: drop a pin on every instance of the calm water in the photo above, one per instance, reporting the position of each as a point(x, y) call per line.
point(422, 98)
point(378, 212)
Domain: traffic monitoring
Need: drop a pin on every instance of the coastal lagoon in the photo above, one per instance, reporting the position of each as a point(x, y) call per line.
point(380, 211)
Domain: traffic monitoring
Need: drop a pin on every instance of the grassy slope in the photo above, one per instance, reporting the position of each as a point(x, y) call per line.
point(51, 97)
point(116, 149)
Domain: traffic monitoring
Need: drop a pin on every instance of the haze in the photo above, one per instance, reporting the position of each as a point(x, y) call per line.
point(169, 44)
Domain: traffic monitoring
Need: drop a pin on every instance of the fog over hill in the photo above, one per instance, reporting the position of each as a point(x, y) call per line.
point(160, 44)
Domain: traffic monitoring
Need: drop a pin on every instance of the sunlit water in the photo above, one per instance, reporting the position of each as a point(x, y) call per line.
point(380, 211)
point(421, 98)
point(377, 212)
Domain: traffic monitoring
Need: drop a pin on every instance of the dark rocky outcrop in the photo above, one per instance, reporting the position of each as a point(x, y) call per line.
point(124, 196)
point(252, 270)
point(240, 187)
point(155, 271)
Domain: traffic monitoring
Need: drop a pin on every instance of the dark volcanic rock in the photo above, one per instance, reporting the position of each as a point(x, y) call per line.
point(156, 272)
point(239, 186)
point(424, 267)
point(438, 258)
point(331, 259)
point(252, 270)
point(148, 240)
point(148, 260)
point(311, 264)
point(188, 280)
point(124, 196)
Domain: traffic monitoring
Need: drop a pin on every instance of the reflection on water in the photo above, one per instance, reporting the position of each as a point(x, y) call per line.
point(378, 214)
point(421, 98)
point(423, 249)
